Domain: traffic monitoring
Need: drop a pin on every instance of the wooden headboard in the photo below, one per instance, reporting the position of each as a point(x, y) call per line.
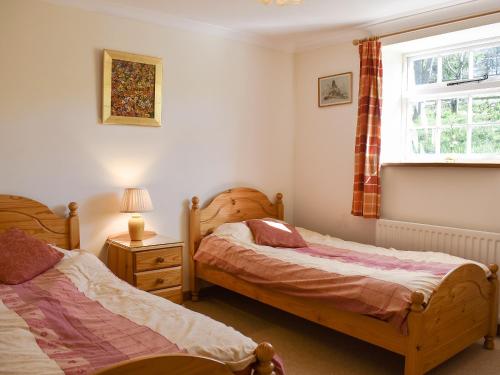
point(39, 221)
point(230, 206)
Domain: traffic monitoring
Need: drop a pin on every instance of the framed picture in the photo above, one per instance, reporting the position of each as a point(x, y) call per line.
point(131, 89)
point(335, 89)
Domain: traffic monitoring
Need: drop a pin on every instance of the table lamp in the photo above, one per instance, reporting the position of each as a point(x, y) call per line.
point(135, 201)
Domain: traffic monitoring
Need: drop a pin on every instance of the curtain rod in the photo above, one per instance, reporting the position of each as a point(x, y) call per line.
point(358, 41)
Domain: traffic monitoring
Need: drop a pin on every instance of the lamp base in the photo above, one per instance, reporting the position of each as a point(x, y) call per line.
point(136, 227)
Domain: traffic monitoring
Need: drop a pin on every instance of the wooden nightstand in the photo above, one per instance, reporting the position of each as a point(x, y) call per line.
point(153, 265)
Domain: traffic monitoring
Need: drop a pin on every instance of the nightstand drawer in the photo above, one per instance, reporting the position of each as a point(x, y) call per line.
point(155, 259)
point(159, 279)
point(173, 294)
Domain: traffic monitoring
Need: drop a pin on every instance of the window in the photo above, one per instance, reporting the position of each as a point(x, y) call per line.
point(445, 119)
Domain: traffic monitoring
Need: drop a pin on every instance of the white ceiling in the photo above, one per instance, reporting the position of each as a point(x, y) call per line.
point(288, 27)
point(252, 16)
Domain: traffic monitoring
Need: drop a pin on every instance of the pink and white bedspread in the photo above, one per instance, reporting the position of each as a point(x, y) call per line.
point(354, 277)
point(78, 317)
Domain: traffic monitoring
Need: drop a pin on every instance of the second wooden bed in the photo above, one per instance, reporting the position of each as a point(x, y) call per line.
point(462, 309)
point(39, 221)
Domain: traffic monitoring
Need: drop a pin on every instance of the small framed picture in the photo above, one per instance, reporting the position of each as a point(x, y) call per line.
point(131, 89)
point(335, 89)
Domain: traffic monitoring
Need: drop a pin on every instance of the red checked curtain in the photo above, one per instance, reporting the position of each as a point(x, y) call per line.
point(366, 195)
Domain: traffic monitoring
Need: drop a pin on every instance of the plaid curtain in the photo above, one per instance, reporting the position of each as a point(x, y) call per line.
point(366, 195)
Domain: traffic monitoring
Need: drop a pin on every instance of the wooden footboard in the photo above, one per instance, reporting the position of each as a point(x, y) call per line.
point(185, 364)
point(462, 310)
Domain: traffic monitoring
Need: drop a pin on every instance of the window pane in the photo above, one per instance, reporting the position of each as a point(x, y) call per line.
point(456, 66)
point(422, 141)
point(425, 71)
point(486, 140)
point(486, 109)
point(423, 113)
point(454, 141)
point(487, 61)
point(454, 111)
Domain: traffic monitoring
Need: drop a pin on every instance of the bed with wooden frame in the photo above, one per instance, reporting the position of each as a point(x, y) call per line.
point(462, 310)
point(39, 221)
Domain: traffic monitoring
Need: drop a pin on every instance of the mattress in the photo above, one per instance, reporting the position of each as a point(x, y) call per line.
point(354, 277)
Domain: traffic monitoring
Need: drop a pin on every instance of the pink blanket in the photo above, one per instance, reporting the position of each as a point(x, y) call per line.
point(353, 291)
point(75, 331)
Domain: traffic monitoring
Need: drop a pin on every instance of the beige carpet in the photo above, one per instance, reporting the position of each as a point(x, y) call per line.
point(309, 349)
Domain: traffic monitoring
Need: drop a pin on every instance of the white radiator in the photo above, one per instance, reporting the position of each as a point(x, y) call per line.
point(480, 246)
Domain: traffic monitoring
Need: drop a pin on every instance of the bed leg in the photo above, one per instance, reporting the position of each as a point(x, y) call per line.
point(411, 366)
point(489, 342)
point(413, 358)
point(195, 296)
point(489, 339)
point(264, 354)
point(195, 290)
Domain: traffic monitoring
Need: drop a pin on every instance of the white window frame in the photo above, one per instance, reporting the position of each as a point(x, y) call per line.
point(439, 91)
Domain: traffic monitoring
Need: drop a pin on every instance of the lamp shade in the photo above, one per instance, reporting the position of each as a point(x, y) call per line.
point(136, 200)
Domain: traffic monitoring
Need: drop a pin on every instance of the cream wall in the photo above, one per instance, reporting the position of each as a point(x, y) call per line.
point(324, 148)
point(227, 111)
point(324, 159)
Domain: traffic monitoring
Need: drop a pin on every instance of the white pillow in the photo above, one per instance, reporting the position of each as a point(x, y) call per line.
point(67, 253)
point(238, 231)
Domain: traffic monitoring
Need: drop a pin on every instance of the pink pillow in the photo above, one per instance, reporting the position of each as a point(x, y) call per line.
point(23, 257)
point(268, 232)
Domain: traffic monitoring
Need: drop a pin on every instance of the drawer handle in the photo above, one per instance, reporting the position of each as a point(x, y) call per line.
point(160, 281)
point(160, 260)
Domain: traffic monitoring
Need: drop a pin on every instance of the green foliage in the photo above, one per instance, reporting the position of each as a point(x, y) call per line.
point(454, 111)
point(487, 61)
point(423, 142)
point(486, 109)
point(454, 141)
point(425, 71)
point(453, 133)
point(424, 113)
point(486, 140)
point(456, 66)
point(450, 132)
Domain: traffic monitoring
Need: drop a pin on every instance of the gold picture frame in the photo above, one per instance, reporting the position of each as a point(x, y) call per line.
point(335, 89)
point(132, 86)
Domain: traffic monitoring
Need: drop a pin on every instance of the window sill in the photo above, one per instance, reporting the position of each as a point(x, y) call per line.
point(443, 164)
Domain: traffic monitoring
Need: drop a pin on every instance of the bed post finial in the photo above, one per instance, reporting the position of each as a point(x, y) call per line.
point(493, 269)
point(417, 301)
point(279, 206)
point(73, 208)
point(265, 354)
point(196, 203)
point(73, 226)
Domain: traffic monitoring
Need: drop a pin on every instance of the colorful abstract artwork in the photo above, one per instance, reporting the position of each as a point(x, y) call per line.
point(131, 89)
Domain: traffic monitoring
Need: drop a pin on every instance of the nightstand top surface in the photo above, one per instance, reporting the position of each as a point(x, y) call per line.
point(150, 239)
